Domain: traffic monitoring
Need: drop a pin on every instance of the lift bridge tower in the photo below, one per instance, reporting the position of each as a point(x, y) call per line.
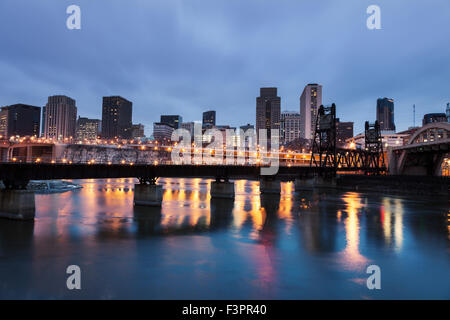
point(329, 159)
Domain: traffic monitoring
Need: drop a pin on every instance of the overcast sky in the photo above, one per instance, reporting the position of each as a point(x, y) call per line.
point(188, 56)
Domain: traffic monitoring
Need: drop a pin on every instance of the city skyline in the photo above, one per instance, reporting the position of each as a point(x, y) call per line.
point(184, 71)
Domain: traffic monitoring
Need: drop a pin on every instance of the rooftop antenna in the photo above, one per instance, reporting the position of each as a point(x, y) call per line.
point(414, 115)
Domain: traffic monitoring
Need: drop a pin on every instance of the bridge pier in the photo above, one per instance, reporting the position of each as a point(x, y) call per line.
point(269, 186)
point(148, 193)
point(17, 204)
point(222, 189)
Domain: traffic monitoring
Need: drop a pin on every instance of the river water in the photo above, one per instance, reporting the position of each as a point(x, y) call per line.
point(306, 245)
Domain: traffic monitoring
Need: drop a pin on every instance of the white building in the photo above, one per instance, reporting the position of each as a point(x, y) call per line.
point(389, 140)
point(290, 126)
point(310, 101)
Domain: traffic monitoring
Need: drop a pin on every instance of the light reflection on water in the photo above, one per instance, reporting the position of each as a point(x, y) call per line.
point(288, 246)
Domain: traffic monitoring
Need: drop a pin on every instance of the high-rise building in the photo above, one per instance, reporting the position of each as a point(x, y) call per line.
point(344, 131)
point(60, 118)
point(116, 118)
point(268, 106)
point(434, 117)
point(310, 101)
point(19, 120)
point(162, 132)
point(137, 131)
point(290, 126)
point(385, 114)
point(173, 120)
point(87, 129)
point(209, 119)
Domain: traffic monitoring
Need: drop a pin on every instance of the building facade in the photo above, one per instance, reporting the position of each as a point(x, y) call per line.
point(209, 119)
point(116, 118)
point(87, 129)
point(385, 114)
point(137, 131)
point(344, 131)
point(189, 126)
point(20, 120)
point(173, 120)
point(434, 117)
point(268, 106)
point(162, 132)
point(310, 101)
point(60, 118)
point(289, 126)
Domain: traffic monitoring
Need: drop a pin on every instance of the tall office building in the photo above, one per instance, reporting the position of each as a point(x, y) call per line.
point(20, 120)
point(268, 106)
point(290, 126)
point(173, 120)
point(116, 118)
point(344, 131)
point(385, 114)
point(60, 118)
point(209, 119)
point(87, 129)
point(310, 101)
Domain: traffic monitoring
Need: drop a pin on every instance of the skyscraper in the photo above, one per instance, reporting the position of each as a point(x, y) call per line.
point(385, 114)
point(209, 119)
point(173, 120)
point(60, 118)
point(290, 126)
point(310, 101)
point(87, 129)
point(116, 118)
point(268, 110)
point(20, 120)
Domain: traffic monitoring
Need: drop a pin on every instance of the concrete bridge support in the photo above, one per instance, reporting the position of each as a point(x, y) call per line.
point(148, 195)
point(269, 186)
point(222, 189)
point(17, 204)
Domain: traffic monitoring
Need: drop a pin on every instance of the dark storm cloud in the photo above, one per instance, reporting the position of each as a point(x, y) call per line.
point(187, 56)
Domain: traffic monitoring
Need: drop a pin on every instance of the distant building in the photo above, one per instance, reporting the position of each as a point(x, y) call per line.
point(209, 119)
point(388, 139)
point(289, 126)
point(310, 101)
point(447, 112)
point(385, 114)
point(246, 127)
point(268, 111)
point(162, 132)
point(344, 131)
point(116, 118)
point(189, 126)
point(60, 118)
point(173, 120)
point(87, 129)
point(137, 131)
point(434, 117)
point(20, 120)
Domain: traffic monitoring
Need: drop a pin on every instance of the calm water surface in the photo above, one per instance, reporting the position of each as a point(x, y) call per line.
point(308, 245)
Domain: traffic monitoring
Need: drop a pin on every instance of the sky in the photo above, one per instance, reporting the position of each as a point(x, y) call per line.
point(188, 56)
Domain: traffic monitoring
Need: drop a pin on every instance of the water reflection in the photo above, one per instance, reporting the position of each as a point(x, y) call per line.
point(257, 246)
